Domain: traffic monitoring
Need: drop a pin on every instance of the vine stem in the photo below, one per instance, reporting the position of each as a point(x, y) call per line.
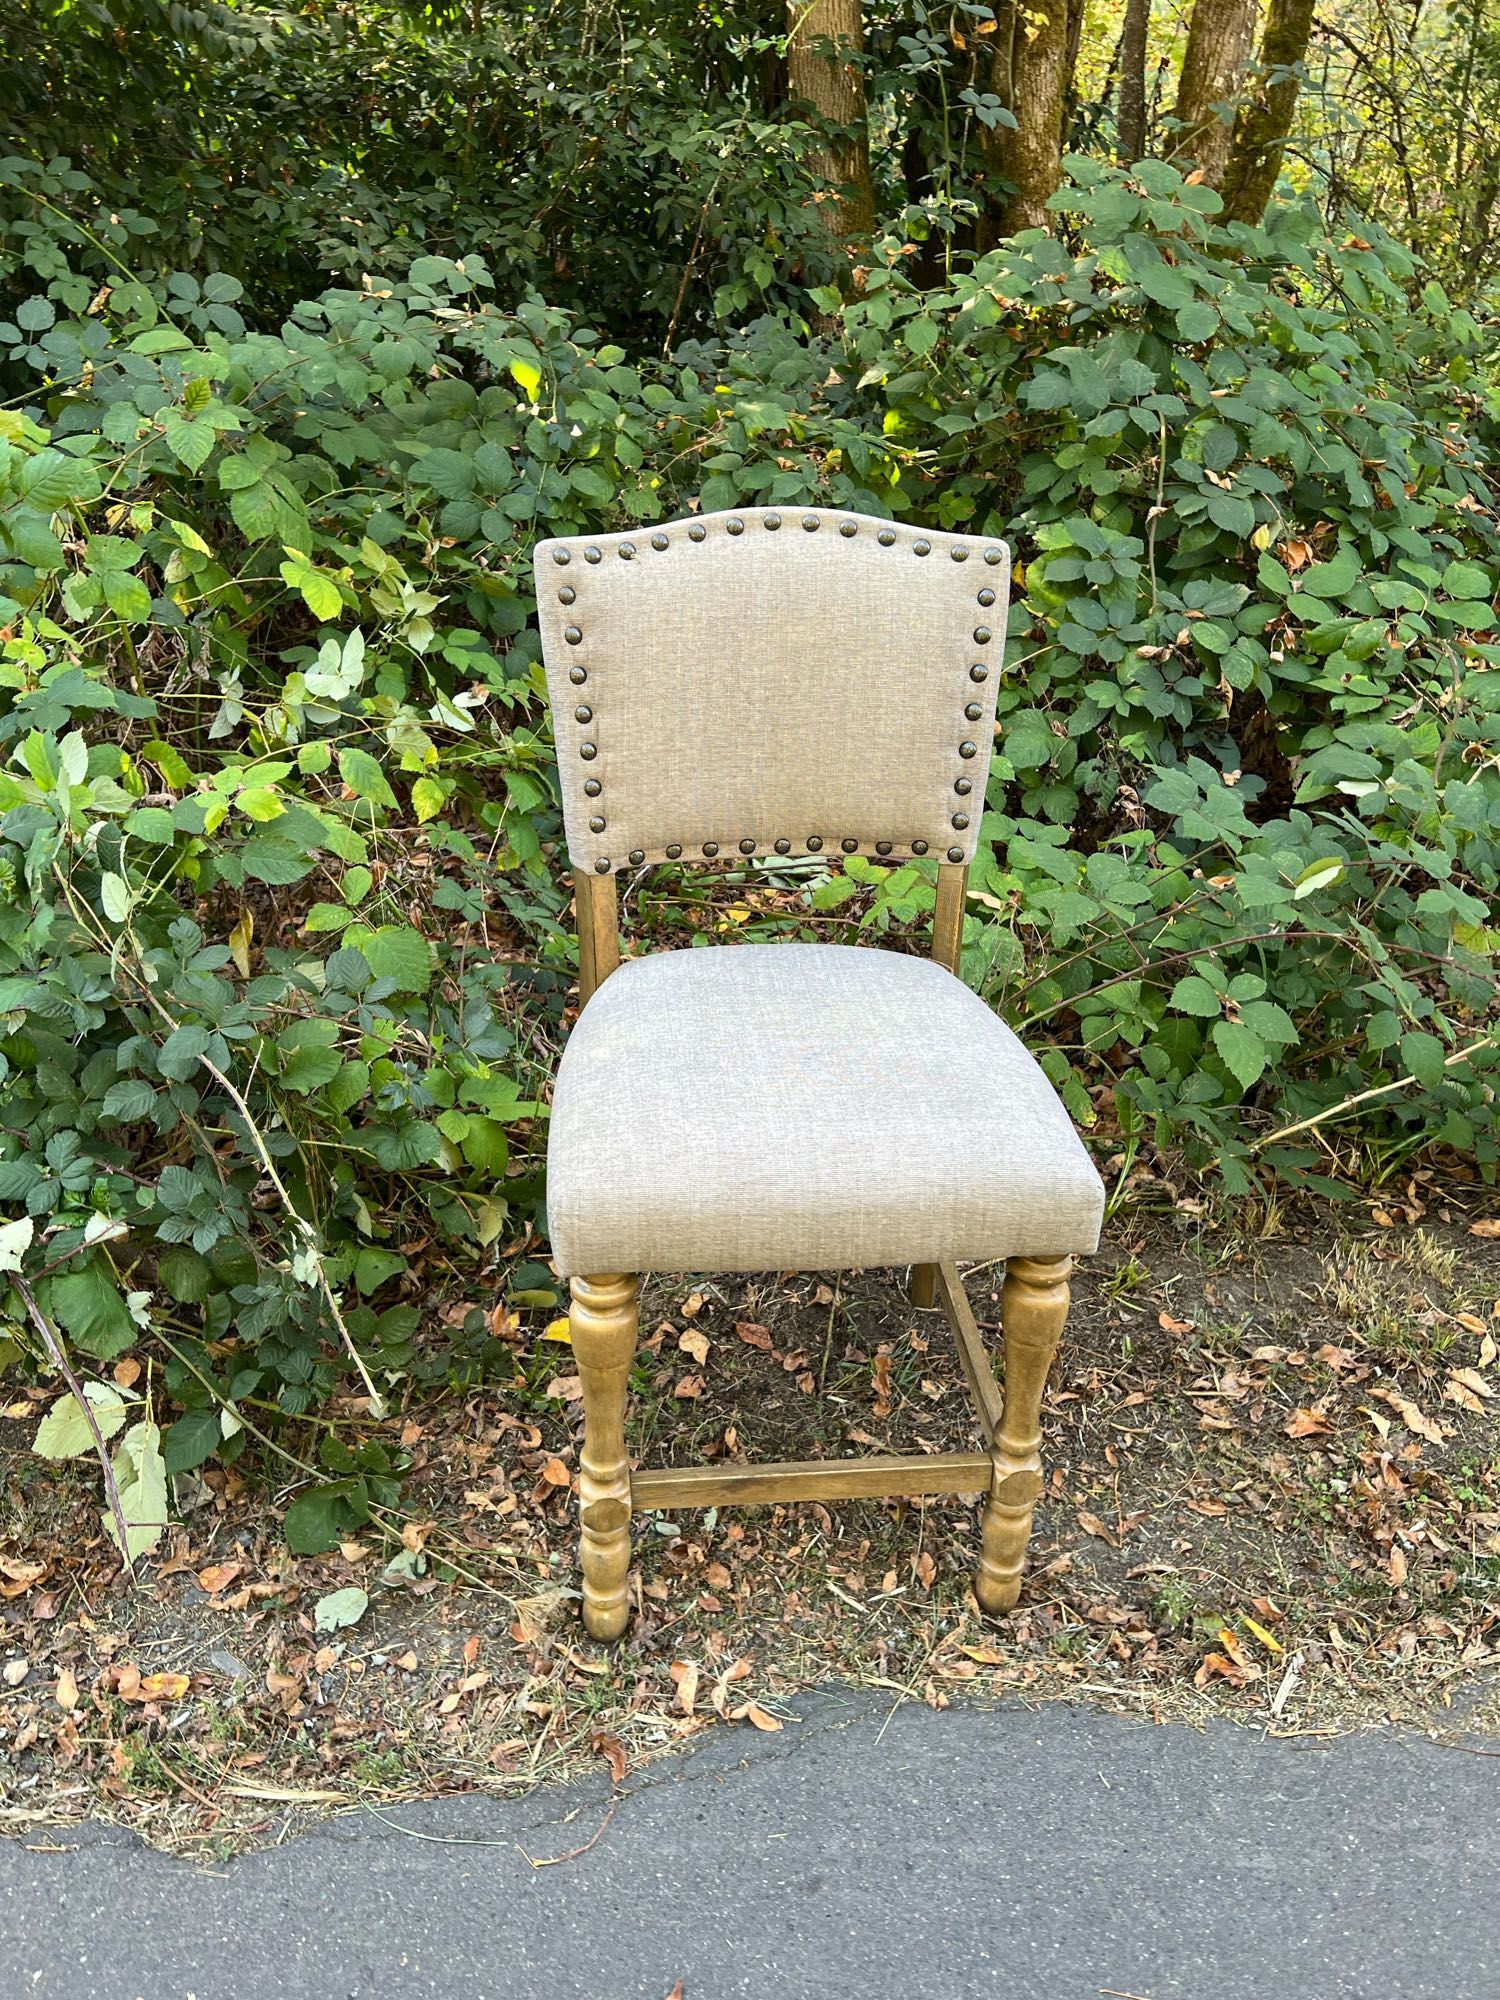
point(55, 1349)
point(1364, 1096)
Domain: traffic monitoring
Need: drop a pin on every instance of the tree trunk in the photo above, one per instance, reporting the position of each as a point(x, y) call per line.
point(1132, 120)
point(1030, 73)
point(822, 36)
point(1220, 35)
point(1263, 124)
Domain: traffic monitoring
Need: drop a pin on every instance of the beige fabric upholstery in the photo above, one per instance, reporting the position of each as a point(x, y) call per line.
point(807, 1107)
point(725, 681)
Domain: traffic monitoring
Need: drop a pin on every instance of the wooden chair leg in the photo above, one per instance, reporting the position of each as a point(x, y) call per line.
point(603, 1321)
point(924, 1286)
point(1033, 1308)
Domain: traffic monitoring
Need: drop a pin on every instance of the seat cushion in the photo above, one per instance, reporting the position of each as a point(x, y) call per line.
point(805, 1107)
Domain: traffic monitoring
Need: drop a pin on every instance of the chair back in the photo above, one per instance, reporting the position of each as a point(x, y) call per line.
point(772, 682)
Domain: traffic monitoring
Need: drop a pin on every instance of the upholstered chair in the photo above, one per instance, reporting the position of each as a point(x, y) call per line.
point(759, 686)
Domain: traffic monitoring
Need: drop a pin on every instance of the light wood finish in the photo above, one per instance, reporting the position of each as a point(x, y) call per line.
point(979, 1372)
point(1033, 1308)
point(874, 1478)
point(948, 914)
point(596, 907)
point(602, 1321)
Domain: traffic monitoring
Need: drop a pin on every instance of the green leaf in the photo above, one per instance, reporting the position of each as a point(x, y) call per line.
point(185, 1275)
point(1243, 1051)
point(192, 1440)
point(395, 952)
point(126, 595)
point(128, 1101)
point(141, 1479)
point(88, 1305)
point(364, 777)
point(309, 1069)
point(340, 1608)
point(1425, 1056)
point(320, 591)
point(64, 1431)
point(1193, 995)
point(319, 1519)
point(178, 1055)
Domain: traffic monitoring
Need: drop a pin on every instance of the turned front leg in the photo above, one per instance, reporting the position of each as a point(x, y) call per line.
point(1033, 1308)
point(602, 1320)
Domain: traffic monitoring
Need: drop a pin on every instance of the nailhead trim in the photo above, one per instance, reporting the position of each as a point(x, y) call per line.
point(697, 532)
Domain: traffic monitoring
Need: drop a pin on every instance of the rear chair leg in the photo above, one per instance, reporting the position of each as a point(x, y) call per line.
point(1033, 1308)
point(603, 1321)
point(924, 1286)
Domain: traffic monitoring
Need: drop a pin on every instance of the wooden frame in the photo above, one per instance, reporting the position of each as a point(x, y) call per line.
point(1008, 1472)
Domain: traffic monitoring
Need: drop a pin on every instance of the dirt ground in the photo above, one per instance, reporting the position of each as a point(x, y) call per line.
point(1274, 1492)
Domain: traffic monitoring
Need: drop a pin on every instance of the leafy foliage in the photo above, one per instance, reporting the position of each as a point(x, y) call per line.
point(283, 953)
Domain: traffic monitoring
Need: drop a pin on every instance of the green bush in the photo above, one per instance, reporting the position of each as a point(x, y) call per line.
point(284, 951)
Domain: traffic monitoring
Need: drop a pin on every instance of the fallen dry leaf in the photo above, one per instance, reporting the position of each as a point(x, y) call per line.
point(753, 1712)
point(755, 1336)
point(218, 1576)
point(1308, 1423)
point(1488, 1226)
point(692, 1342)
point(1170, 1325)
point(556, 1473)
point(685, 1675)
point(164, 1687)
point(67, 1691)
point(1414, 1418)
point(689, 1387)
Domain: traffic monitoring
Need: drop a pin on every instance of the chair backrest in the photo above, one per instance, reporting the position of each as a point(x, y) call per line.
point(772, 681)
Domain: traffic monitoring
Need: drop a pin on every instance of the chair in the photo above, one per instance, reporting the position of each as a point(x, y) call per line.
point(775, 684)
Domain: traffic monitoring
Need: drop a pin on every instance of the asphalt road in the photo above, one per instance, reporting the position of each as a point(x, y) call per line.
point(1052, 1855)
